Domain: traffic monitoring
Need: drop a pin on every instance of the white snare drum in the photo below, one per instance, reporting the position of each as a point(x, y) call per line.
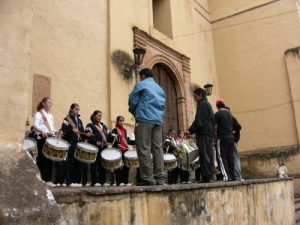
point(111, 158)
point(131, 159)
point(85, 152)
point(186, 154)
point(55, 149)
point(30, 146)
point(170, 161)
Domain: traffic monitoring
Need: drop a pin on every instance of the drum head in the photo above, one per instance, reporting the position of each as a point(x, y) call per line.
point(111, 154)
point(169, 157)
point(87, 147)
point(57, 143)
point(131, 154)
point(29, 143)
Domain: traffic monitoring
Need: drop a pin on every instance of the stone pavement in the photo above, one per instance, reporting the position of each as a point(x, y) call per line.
point(297, 209)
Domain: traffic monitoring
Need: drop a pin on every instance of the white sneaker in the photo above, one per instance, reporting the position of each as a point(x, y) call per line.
point(97, 185)
point(64, 185)
point(106, 184)
point(122, 184)
point(183, 182)
point(50, 184)
point(75, 185)
point(128, 184)
point(114, 185)
point(189, 182)
point(88, 184)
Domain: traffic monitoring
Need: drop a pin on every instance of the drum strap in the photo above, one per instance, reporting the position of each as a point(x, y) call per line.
point(101, 132)
point(123, 138)
point(71, 121)
point(46, 121)
point(72, 124)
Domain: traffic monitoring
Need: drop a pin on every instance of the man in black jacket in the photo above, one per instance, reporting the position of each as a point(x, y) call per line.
point(236, 128)
point(225, 141)
point(203, 128)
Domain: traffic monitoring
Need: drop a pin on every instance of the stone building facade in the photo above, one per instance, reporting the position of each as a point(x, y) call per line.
point(78, 51)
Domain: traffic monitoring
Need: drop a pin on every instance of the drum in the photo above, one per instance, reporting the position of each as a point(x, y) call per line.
point(131, 159)
point(85, 152)
point(111, 158)
point(194, 165)
point(30, 146)
point(186, 154)
point(55, 149)
point(170, 161)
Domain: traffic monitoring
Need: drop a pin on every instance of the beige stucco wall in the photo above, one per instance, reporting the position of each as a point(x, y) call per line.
point(185, 22)
point(68, 43)
point(15, 25)
point(252, 72)
point(249, 203)
point(221, 9)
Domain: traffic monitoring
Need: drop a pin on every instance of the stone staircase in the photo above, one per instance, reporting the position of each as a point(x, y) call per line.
point(297, 209)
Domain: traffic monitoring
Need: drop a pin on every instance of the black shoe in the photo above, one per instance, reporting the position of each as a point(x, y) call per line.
point(206, 181)
point(145, 183)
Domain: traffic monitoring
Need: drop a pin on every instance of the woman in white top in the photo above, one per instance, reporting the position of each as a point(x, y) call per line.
point(44, 127)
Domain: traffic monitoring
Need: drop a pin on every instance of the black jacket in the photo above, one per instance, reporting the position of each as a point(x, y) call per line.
point(169, 145)
point(97, 137)
point(236, 127)
point(67, 129)
point(204, 119)
point(117, 141)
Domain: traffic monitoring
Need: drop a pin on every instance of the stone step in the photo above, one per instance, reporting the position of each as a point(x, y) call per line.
point(297, 210)
point(297, 206)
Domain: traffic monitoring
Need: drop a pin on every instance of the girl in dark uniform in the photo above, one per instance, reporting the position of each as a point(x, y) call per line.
point(122, 142)
point(73, 130)
point(100, 138)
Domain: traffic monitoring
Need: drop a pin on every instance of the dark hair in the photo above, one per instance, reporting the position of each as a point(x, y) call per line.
point(73, 106)
point(170, 130)
point(147, 72)
point(94, 114)
point(226, 107)
point(40, 106)
point(200, 92)
point(220, 105)
point(119, 118)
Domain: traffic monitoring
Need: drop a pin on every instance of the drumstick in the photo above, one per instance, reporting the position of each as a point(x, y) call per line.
point(167, 149)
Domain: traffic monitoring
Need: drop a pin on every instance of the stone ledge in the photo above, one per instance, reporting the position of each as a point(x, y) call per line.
point(271, 152)
point(69, 195)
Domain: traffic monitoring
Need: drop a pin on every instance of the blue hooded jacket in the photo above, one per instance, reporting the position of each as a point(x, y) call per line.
point(147, 102)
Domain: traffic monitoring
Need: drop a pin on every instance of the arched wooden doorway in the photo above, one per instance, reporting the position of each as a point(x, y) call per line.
point(164, 77)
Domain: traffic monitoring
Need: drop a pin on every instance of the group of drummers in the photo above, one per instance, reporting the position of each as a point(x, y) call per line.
point(80, 156)
point(77, 155)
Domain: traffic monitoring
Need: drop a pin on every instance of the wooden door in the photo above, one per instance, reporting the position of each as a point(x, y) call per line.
point(162, 75)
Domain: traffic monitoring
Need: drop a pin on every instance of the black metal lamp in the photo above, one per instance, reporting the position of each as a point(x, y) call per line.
point(139, 54)
point(208, 88)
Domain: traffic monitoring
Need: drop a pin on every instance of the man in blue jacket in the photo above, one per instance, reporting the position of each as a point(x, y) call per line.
point(147, 104)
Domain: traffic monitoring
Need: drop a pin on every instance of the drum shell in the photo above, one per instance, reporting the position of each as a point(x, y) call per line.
point(85, 155)
point(131, 162)
point(170, 164)
point(186, 154)
point(111, 164)
point(55, 153)
point(33, 150)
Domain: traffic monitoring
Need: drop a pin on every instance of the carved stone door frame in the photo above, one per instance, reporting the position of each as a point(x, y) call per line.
point(157, 52)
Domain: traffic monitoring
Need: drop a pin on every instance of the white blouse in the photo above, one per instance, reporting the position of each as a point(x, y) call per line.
point(40, 124)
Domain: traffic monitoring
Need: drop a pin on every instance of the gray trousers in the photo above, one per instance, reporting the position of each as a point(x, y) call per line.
point(237, 163)
point(148, 139)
